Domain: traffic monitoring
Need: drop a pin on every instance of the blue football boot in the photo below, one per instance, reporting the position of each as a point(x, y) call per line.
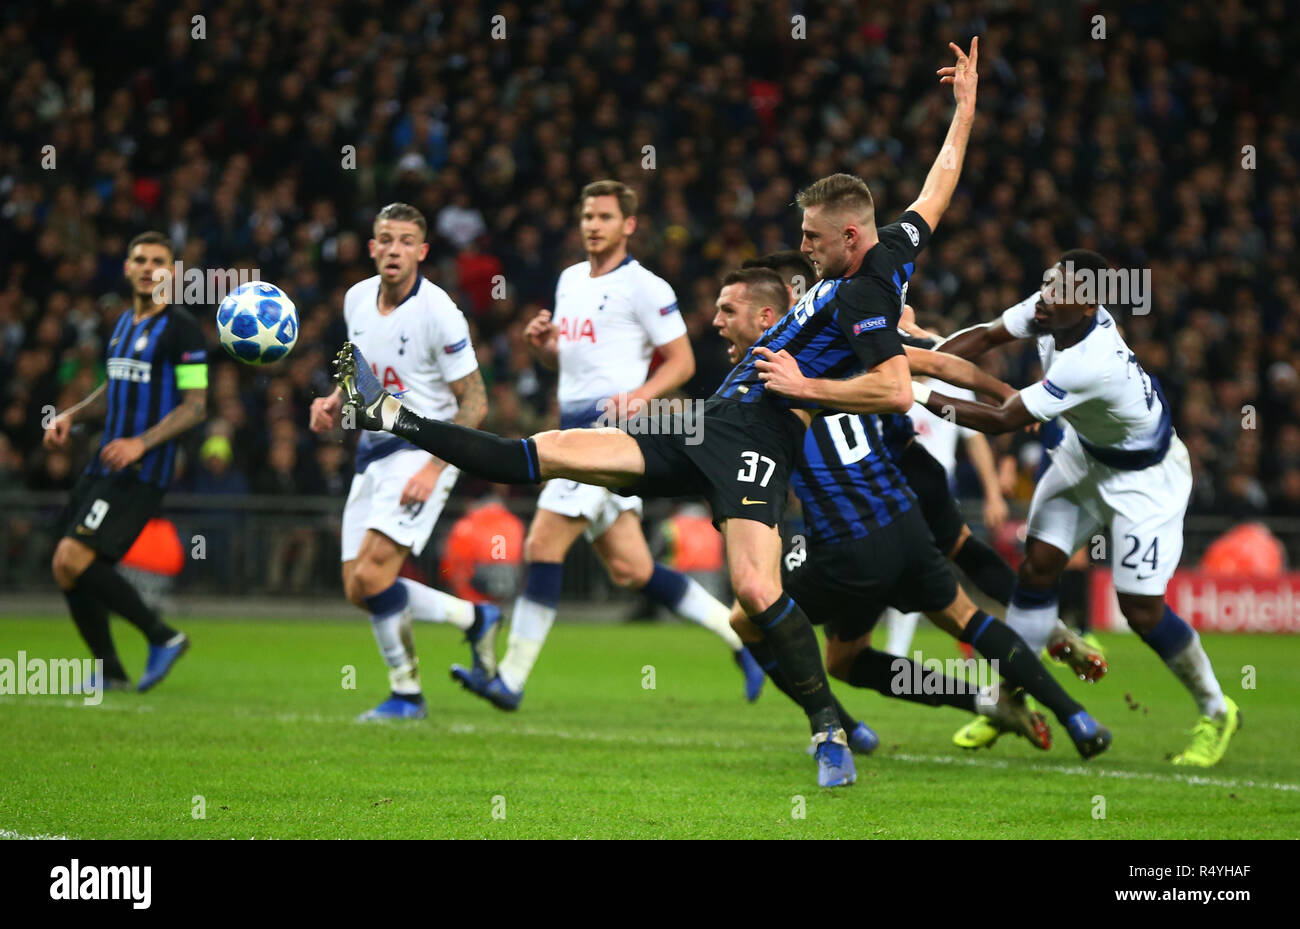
point(161, 660)
point(863, 739)
point(835, 766)
point(754, 676)
point(491, 689)
point(396, 707)
point(1090, 737)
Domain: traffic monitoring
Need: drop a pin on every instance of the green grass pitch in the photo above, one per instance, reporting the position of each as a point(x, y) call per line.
point(256, 722)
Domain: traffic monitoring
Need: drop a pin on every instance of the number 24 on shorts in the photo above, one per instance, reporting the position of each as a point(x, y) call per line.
point(749, 473)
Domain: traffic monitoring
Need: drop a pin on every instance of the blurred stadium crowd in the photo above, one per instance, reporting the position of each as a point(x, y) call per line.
point(271, 141)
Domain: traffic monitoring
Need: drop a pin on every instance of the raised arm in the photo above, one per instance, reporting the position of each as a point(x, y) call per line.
point(973, 342)
point(940, 183)
point(994, 420)
point(957, 371)
point(886, 388)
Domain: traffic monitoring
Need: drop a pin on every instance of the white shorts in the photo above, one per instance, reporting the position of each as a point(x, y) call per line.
point(599, 506)
point(374, 503)
point(1079, 496)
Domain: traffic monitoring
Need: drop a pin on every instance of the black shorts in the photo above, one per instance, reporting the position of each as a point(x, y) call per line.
point(741, 462)
point(107, 512)
point(929, 481)
point(845, 585)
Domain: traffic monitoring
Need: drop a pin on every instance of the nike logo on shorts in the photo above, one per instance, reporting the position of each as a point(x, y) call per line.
point(748, 502)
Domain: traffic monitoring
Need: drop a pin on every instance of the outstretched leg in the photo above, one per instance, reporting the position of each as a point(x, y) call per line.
point(1018, 663)
point(606, 457)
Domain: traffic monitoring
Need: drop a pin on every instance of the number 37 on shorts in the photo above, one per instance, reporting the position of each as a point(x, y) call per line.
point(754, 466)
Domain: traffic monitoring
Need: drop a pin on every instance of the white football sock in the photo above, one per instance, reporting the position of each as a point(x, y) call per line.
point(702, 608)
point(529, 625)
point(1192, 667)
point(901, 628)
point(1034, 624)
point(433, 606)
point(397, 645)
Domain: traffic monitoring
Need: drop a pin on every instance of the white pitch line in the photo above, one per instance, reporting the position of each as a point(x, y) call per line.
point(1194, 780)
point(10, 834)
point(48, 702)
point(996, 763)
point(461, 728)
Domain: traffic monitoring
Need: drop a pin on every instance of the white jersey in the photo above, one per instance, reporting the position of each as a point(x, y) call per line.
point(938, 435)
point(609, 328)
point(1095, 385)
point(415, 350)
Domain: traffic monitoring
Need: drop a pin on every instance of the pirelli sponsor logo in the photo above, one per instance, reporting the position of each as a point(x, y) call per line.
point(129, 369)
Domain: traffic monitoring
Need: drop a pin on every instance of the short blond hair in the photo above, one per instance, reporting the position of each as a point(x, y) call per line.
point(840, 192)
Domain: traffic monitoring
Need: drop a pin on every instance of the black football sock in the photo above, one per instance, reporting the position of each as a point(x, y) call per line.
point(91, 618)
point(794, 645)
point(986, 569)
point(1017, 663)
point(910, 680)
point(482, 454)
point(762, 653)
point(1074, 589)
point(103, 583)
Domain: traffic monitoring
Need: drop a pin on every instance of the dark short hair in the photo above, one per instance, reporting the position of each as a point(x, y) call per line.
point(626, 196)
point(151, 237)
point(766, 284)
point(1083, 258)
point(403, 213)
point(790, 264)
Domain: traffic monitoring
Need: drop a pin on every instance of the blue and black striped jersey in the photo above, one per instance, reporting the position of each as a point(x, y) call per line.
point(844, 326)
point(898, 430)
point(847, 482)
point(142, 358)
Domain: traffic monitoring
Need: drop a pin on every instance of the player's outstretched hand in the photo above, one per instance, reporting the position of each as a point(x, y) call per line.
point(780, 372)
point(325, 412)
point(56, 436)
point(963, 75)
point(540, 330)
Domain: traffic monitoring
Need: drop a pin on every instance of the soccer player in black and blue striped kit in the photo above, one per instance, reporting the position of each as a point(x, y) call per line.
point(868, 546)
point(750, 435)
point(156, 390)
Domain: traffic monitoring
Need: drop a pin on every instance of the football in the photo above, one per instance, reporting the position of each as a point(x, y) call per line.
point(257, 323)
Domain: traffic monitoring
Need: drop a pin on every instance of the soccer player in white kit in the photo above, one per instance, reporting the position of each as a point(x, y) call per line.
point(611, 314)
point(1119, 466)
point(417, 341)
